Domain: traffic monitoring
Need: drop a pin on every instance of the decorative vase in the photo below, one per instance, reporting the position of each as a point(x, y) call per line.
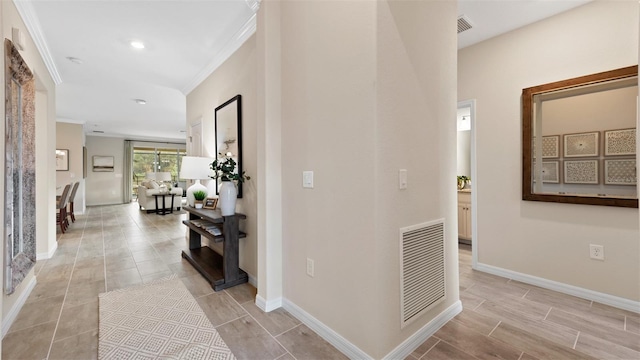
point(199, 204)
point(227, 197)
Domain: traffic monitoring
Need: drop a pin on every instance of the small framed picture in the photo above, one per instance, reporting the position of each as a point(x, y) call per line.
point(581, 145)
point(210, 203)
point(62, 160)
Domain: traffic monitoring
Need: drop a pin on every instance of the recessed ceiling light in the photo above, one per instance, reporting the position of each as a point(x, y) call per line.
point(137, 44)
point(140, 101)
point(74, 60)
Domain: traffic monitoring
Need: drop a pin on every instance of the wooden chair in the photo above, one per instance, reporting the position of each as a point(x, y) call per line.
point(71, 198)
point(61, 206)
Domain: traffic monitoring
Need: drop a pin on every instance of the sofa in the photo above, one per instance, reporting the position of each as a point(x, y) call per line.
point(147, 201)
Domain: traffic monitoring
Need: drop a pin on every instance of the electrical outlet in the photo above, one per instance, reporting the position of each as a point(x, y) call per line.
point(310, 267)
point(596, 251)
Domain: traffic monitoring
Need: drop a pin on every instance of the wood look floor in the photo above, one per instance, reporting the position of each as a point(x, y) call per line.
point(505, 319)
point(117, 246)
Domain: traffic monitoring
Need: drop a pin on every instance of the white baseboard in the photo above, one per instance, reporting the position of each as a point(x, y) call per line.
point(8, 320)
point(599, 297)
point(332, 337)
point(49, 255)
point(252, 280)
point(414, 341)
point(268, 306)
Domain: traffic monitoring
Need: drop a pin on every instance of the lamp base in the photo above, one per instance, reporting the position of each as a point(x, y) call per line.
point(191, 200)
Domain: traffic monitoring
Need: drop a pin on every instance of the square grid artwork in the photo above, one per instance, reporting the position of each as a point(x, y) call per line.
point(581, 171)
point(551, 172)
point(550, 146)
point(620, 172)
point(620, 142)
point(581, 145)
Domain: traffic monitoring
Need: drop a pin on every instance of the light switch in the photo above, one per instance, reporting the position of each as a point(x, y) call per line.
point(402, 179)
point(307, 179)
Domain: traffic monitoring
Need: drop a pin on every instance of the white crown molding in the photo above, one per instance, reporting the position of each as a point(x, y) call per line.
point(615, 301)
point(245, 32)
point(71, 121)
point(28, 14)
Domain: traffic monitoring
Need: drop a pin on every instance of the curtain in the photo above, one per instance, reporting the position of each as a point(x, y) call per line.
point(128, 175)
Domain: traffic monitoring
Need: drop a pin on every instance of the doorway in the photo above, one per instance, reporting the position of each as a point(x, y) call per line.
point(467, 176)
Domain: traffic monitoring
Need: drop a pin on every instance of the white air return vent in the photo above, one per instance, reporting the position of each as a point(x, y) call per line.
point(464, 24)
point(421, 268)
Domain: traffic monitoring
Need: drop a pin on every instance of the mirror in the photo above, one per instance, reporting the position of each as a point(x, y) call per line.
point(229, 134)
point(20, 169)
point(579, 140)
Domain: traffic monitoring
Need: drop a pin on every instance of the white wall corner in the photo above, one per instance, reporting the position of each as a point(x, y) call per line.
point(253, 281)
point(615, 301)
point(325, 332)
point(47, 255)
point(269, 305)
point(403, 350)
point(8, 320)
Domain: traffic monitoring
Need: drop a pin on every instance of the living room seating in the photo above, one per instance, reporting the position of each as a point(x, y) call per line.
point(147, 201)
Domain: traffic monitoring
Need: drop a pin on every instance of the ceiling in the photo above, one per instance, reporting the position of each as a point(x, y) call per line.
point(185, 40)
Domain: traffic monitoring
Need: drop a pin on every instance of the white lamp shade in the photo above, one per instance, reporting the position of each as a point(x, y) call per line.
point(151, 176)
point(196, 168)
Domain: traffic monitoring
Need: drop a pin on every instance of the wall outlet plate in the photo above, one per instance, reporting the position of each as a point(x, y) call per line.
point(596, 252)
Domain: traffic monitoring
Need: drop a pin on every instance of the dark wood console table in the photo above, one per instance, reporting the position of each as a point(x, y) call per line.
point(221, 266)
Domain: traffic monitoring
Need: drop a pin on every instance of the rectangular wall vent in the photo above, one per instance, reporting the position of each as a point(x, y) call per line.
point(463, 24)
point(422, 278)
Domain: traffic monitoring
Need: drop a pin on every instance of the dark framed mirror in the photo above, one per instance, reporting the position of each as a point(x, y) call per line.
point(579, 140)
point(228, 122)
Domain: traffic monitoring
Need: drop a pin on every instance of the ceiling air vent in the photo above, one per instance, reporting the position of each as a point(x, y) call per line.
point(464, 24)
point(98, 131)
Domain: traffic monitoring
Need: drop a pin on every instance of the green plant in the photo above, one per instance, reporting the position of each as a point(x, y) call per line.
point(462, 180)
point(224, 168)
point(199, 195)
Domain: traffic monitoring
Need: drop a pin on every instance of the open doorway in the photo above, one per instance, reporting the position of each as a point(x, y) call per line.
point(466, 176)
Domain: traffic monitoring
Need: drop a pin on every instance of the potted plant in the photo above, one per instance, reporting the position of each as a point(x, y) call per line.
point(224, 168)
point(199, 195)
point(463, 180)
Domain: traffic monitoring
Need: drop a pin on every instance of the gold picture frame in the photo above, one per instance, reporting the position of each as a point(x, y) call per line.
point(210, 203)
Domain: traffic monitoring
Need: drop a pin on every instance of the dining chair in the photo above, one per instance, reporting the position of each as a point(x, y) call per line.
point(71, 198)
point(61, 206)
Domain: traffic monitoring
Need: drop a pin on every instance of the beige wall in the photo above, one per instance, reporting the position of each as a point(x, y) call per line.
point(547, 240)
point(45, 147)
point(104, 188)
point(235, 76)
point(71, 137)
point(362, 98)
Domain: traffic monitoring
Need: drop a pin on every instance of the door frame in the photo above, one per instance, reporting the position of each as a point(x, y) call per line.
point(475, 243)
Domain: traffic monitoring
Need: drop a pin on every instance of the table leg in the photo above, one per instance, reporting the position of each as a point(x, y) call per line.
point(164, 205)
point(172, 196)
point(157, 208)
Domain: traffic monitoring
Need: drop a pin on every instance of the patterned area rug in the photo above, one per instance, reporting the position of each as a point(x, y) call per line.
point(157, 320)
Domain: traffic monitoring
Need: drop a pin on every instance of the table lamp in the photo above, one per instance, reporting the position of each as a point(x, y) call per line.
point(195, 168)
point(164, 177)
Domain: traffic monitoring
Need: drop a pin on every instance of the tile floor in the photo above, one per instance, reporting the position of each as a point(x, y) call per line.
point(506, 319)
point(117, 246)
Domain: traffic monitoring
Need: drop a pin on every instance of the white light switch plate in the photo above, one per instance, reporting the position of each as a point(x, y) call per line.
point(307, 179)
point(402, 179)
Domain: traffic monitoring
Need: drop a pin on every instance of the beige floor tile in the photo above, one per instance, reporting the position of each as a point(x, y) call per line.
point(557, 300)
point(82, 347)
point(122, 279)
point(183, 268)
point(88, 274)
point(151, 267)
point(276, 322)
point(603, 349)
point(595, 328)
point(55, 272)
point(84, 292)
point(47, 289)
point(156, 276)
point(77, 319)
point(243, 293)
point(144, 255)
point(425, 347)
point(38, 312)
point(303, 343)
point(551, 331)
point(220, 308)
point(120, 263)
point(248, 340)
point(476, 344)
point(478, 322)
point(470, 301)
point(535, 345)
point(633, 324)
point(444, 351)
point(30, 343)
point(197, 285)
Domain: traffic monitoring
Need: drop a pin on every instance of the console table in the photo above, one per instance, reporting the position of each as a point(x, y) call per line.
point(219, 266)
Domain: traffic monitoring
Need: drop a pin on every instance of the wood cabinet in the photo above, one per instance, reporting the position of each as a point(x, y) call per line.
point(218, 264)
point(464, 216)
